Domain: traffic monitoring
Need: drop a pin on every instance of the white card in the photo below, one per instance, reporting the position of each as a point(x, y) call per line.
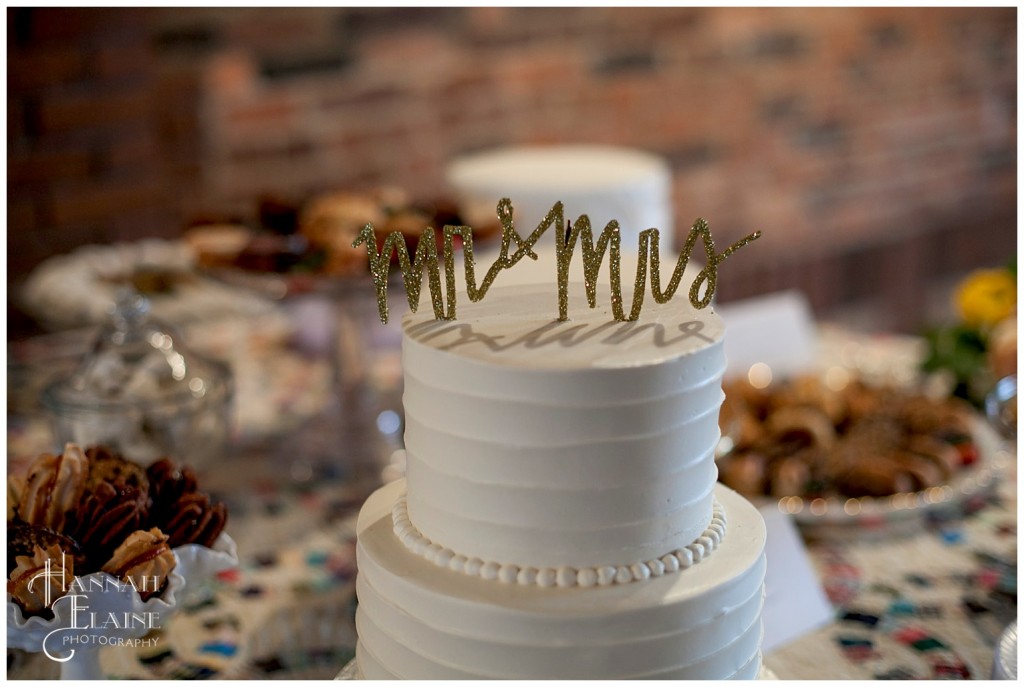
point(795, 602)
point(777, 330)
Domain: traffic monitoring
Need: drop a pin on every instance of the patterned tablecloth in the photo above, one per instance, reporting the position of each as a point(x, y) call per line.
point(927, 606)
point(930, 606)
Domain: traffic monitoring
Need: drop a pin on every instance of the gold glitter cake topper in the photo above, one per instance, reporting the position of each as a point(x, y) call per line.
point(608, 242)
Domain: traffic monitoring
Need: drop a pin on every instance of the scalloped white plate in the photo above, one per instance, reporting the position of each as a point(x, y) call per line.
point(104, 595)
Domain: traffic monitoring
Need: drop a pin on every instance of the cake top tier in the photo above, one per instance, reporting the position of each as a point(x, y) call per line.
point(516, 329)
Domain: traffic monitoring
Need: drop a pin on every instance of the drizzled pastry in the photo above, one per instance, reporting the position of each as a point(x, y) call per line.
point(23, 540)
point(105, 518)
point(168, 483)
point(143, 560)
point(800, 438)
point(15, 489)
point(195, 519)
point(216, 245)
point(806, 425)
point(874, 476)
point(53, 487)
point(41, 578)
point(334, 220)
point(808, 392)
point(104, 513)
point(185, 514)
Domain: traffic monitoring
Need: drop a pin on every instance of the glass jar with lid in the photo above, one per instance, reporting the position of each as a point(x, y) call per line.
point(140, 391)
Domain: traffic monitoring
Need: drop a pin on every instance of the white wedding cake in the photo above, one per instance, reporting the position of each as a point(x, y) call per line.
point(560, 516)
point(631, 186)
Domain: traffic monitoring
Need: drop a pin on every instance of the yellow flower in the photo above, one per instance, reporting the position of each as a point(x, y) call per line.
point(986, 297)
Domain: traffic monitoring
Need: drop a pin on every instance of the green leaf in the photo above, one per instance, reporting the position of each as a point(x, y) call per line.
point(961, 350)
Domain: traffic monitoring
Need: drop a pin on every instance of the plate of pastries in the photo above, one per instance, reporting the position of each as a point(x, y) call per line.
point(92, 511)
point(852, 453)
point(300, 247)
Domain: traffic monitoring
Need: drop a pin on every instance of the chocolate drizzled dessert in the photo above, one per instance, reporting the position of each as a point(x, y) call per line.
point(90, 510)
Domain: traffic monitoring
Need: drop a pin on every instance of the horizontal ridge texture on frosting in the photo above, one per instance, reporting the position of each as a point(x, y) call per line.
point(417, 620)
point(574, 509)
point(529, 440)
point(583, 465)
point(551, 424)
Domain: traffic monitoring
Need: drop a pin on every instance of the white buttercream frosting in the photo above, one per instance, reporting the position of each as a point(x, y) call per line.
point(417, 620)
point(548, 444)
point(560, 517)
point(563, 576)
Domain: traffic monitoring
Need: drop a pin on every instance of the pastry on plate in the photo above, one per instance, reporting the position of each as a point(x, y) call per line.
point(53, 487)
point(143, 560)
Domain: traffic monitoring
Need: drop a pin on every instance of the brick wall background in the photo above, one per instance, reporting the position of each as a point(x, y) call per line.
point(875, 146)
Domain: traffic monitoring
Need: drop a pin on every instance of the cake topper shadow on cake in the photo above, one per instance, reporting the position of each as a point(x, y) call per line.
point(553, 333)
point(608, 242)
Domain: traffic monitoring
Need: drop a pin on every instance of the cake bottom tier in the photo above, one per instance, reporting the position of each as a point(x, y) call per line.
point(417, 620)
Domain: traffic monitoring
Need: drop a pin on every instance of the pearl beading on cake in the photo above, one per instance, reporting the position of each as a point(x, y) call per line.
point(563, 576)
